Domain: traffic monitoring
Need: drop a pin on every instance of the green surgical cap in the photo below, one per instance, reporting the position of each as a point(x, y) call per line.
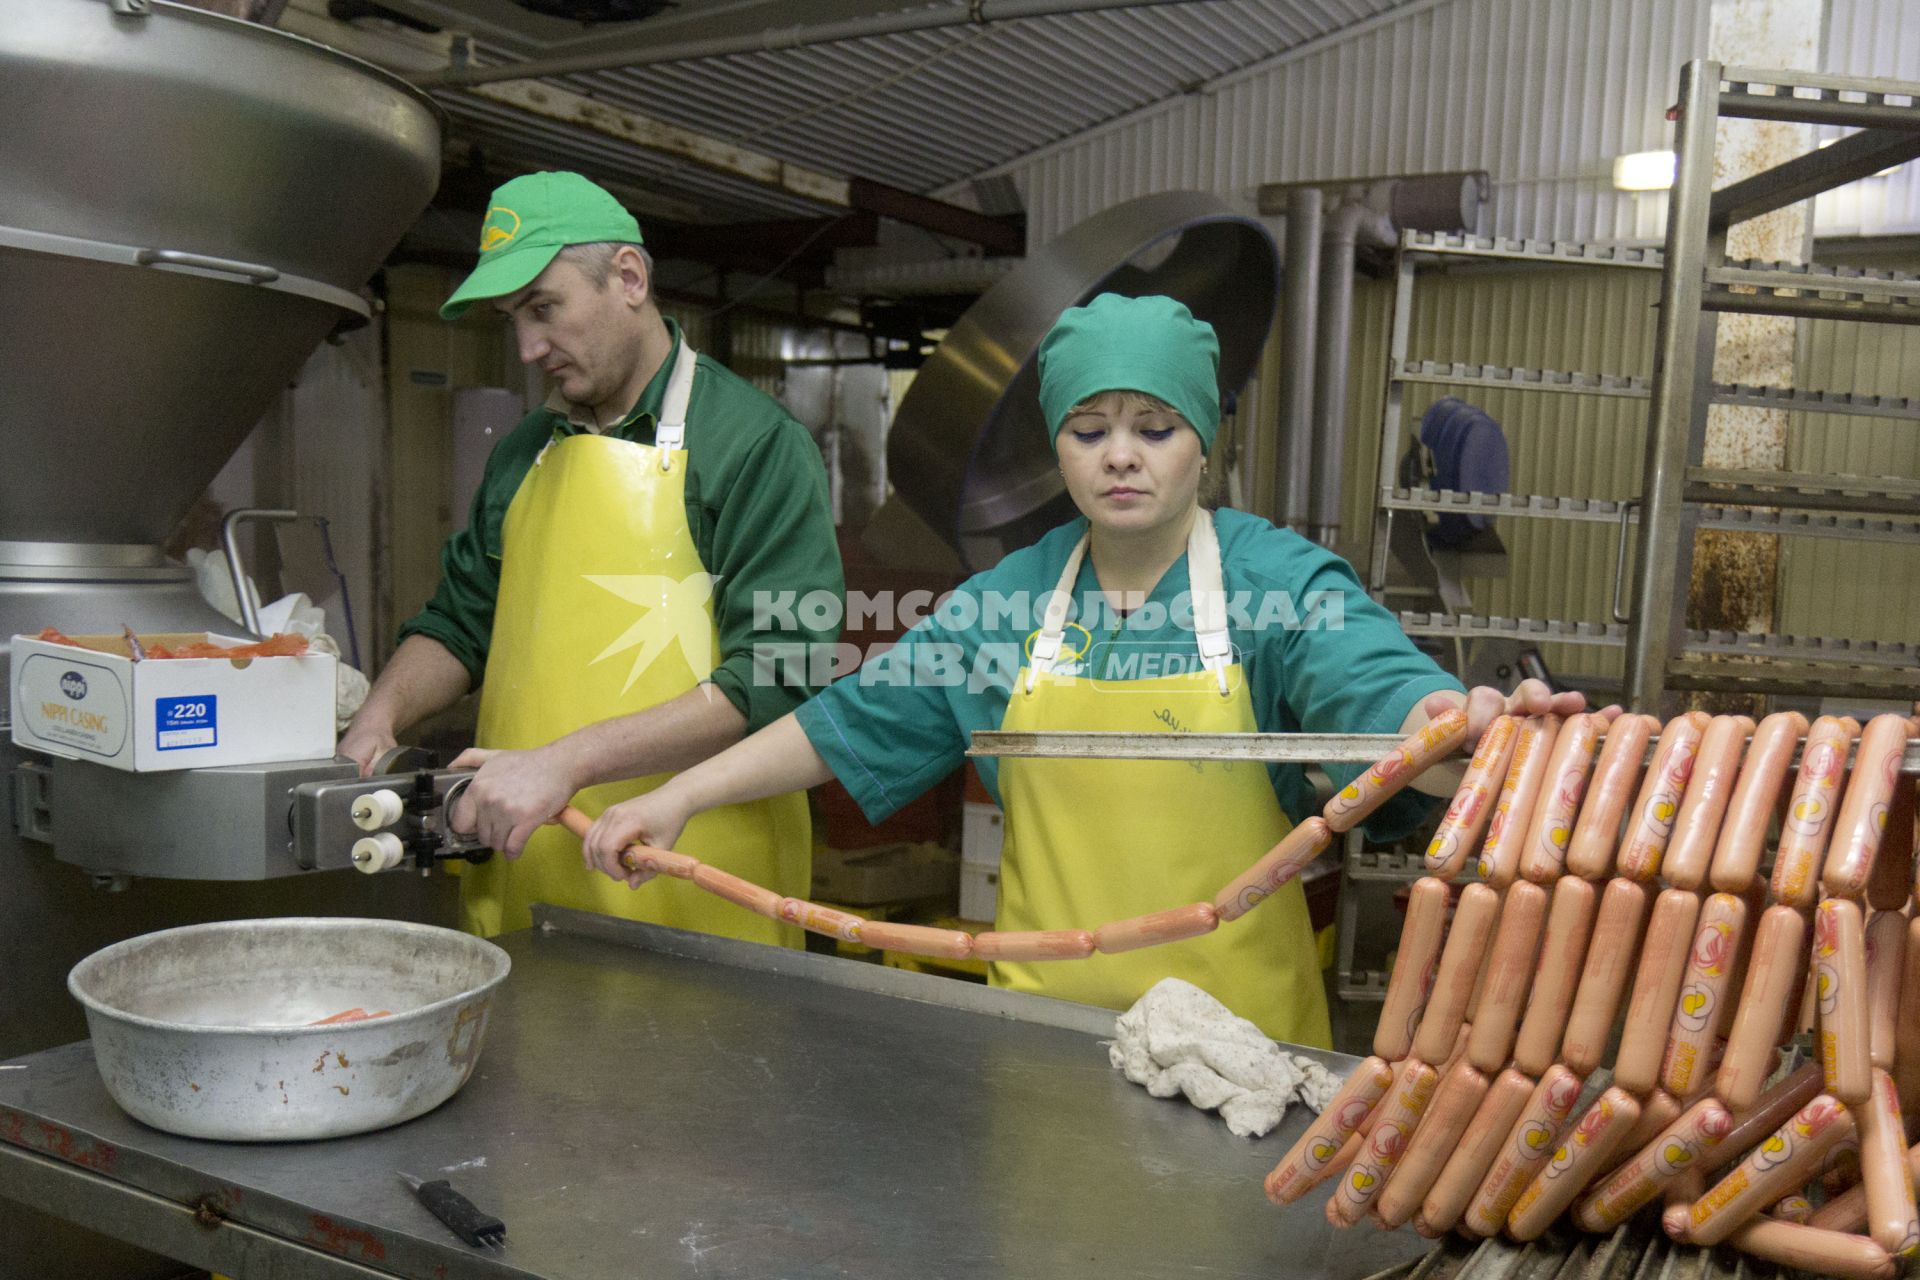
point(1152, 344)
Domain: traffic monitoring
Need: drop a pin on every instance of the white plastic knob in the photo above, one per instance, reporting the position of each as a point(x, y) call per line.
point(377, 853)
point(377, 809)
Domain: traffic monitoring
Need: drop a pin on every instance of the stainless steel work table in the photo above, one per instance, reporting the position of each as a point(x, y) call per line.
point(656, 1103)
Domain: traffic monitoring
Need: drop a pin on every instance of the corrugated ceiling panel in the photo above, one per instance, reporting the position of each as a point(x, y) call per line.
point(1873, 38)
point(924, 109)
point(1544, 96)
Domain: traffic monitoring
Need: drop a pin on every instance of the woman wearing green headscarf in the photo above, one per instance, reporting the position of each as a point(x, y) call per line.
point(1147, 613)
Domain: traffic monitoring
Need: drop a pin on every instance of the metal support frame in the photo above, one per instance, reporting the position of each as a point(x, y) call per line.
point(1699, 283)
point(1683, 344)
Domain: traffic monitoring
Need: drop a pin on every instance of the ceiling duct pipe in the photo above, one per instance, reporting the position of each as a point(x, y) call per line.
point(1299, 323)
point(1373, 213)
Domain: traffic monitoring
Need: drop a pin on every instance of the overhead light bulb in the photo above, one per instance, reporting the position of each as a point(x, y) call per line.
point(1644, 171)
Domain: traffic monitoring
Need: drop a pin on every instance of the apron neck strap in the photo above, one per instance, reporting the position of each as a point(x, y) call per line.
point(1205, 581)
point(671, 434)
point(1207, 586)
point(1053, 628)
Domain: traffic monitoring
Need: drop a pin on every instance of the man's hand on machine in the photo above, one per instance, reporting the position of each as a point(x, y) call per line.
point(655, 819)
point(364, 742)
point(511, 796)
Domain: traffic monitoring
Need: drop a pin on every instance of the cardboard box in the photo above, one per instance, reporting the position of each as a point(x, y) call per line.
point(96, 703)
point(979, 891)
point(983, 830)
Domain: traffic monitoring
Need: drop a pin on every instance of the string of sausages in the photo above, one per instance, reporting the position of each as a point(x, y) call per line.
point(1437, 739)
point(1609, 899)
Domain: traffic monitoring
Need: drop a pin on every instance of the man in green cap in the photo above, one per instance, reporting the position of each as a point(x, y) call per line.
point(602, 595)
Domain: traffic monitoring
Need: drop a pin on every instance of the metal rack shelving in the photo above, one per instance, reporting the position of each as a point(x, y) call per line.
point(1868, 494)
point(1361, 866)
point(1699, 283)
point(1680, 494)
point(1502, 378)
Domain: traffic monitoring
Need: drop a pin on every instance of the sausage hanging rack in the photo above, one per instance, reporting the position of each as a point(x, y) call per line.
point(1269, 748)
point(1460, 1029)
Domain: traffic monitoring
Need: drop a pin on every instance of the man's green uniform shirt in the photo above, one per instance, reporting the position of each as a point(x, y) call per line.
point(756, 503)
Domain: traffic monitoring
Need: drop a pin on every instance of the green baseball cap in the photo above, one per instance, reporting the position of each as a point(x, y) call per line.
point(529, 220)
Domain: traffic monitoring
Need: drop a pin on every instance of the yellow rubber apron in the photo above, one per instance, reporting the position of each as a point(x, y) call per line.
point(1089, 841)
point(604, 610)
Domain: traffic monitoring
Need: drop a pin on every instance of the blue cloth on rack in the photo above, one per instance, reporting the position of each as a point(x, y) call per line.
point(1469, 453)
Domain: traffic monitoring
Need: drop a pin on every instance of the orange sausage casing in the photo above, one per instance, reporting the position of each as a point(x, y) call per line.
point(1704, 992)
point(1772, 1109)
point(1886, 962)
point(1466, 818)
point(1743, 833)
point(1155, 928)
point(1563, 950)
point(1455, 1102)
point(1276, 868)
point(1543, 857)
point(1697, 826)
point(1460, 960)
point(1657, 1110)
point(815, 918)
point(1035, 944)
point(1840, 981)
point(742, 893)
point(1437, 739)
point(1906, 1053)
point(1892, 1219)
point(1413, 969)
point(1808, 824)
point(1513, 812)
point(1772, 972)
point(1528, 1146)
point(1780, 1164)
point(1816, 1252)
point(1603, 978)
point(662, 861)
point(1656, 990)
point(1863, 813)
point(917, 939)
point(1575, 1163)
point(1650, 823)
point(1314, 1152)
point(1793, 1208)
point(1616, 776)
point(1474, 1152)
point(1698, 1129)
point(1399, 1115)
point(1892, 880)
point(1848, 1211)
point(1510, 971)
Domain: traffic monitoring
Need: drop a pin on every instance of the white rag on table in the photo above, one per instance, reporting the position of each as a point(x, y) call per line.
point(1179, 1039)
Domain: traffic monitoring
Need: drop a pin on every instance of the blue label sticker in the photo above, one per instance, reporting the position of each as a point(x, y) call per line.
point(179, 723)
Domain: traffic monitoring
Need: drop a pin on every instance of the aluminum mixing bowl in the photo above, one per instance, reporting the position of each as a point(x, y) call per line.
point(208, 1030)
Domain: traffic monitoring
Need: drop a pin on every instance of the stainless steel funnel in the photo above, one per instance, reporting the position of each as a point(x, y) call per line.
point(188, 204)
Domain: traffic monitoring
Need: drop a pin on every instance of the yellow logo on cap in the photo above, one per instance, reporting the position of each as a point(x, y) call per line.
point(496, 231)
